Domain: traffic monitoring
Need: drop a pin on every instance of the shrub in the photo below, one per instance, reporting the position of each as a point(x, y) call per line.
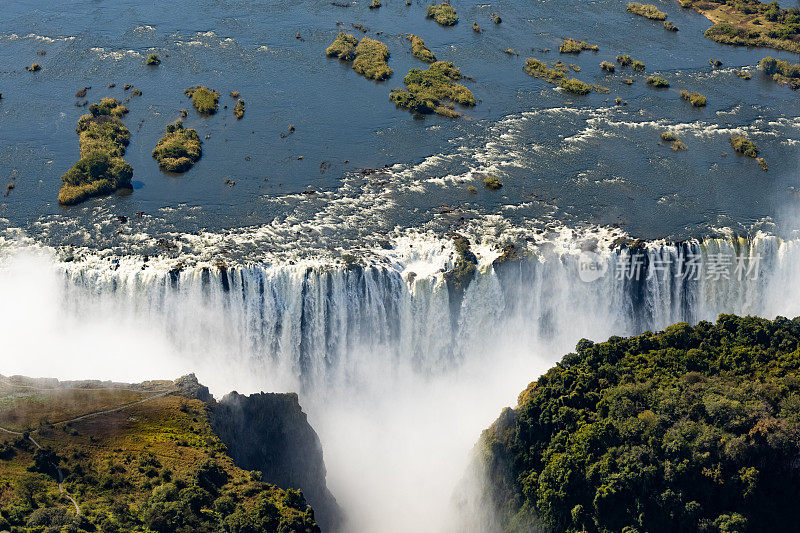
point(496, 19)
point(375, 4)
point(492, 182)
point(101, 170)
point(669, 26)
point(426, 90)
point(36, 67)
point(625, 60)
point(476, 28)
point(646, 10)
point(205, 100)
point(627, 81)
point(744, 147)
point(742, 74)
point(539, 69)
point(668, 136)
point(153, 59)
point(638, 66)
point(575, 86)
point(420, 51)
point(343, 47)
point(696, 99)
point(371, 60)
point(678, 145)
point(781, 71)
point(443, 14)
point(573, 46)
point(179, 149)
point(238, 109)
point(657, 82)
point(607, 66)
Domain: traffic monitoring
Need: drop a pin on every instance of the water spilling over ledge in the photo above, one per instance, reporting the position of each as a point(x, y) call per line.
point(398, 369)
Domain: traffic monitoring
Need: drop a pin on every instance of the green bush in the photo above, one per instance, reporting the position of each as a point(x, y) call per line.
point(427, 90)
point(370, 57)
point(781, 71)
point(744, 146)
point(539, 69)
point(102, 138)
point(238, 109)
point(205, 100)
point(646, 10)
point(492, 182)
point(153, 59)
point(668, 136)
point(443, 14)
point(343, 47)
point(371, 60)
point(575, 86)
point(657, 82)
point(607, 66)
point(420, 51)
point(696, 99)
point(179, 149)
point(669, 26)
point(690, 429)
point(573, 46)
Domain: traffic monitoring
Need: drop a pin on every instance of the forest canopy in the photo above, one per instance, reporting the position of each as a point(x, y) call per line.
point(690, 429)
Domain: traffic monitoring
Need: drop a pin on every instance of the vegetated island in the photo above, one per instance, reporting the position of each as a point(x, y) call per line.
point(648, 11)
point(433, 90)
point(750, 23)
point(369, 57)
point(574, 46)
point(658, 82)
point(556, 74)
point(179, 149)
point(690, 429)
point(781, 71)
point(102, 138)
point(674, 143)
point(419, 50)
point(238, 109)
point(159, 456)
point(205, 100)
point(694, 98)
point(626, 61)
point(747, 148)
point(444, 14)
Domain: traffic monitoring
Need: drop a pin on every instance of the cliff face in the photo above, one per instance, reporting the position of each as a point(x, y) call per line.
point(270, 433)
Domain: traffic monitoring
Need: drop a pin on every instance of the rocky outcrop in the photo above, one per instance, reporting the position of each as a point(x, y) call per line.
point(270, 433)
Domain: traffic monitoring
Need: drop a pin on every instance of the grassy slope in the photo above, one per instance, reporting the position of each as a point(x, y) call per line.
point(115, 463)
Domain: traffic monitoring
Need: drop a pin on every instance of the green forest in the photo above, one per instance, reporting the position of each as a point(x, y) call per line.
point(689, 429)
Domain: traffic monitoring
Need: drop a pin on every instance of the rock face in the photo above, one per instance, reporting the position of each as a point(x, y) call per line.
point(270, 432)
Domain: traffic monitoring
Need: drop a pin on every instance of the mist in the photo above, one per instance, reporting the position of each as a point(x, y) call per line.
point(397, 384)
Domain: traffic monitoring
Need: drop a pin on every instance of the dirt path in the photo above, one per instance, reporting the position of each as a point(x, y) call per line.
point(82, 417)
point(60, 473)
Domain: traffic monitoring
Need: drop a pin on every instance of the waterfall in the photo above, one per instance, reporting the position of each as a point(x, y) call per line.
point(397, 378)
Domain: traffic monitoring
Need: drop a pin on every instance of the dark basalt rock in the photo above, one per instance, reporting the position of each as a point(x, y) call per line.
point(269, 432)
